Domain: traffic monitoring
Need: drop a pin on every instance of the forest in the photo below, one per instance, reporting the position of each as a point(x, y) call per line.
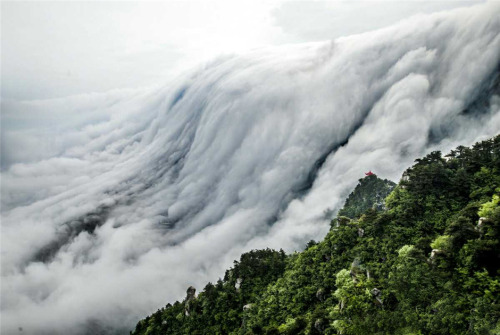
point(418, 257)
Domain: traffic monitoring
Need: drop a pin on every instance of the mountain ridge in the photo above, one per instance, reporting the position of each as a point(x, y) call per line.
point(428, 263)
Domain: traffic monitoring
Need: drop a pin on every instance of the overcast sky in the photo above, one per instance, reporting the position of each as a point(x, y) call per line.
point(113, 203)
point(56, 49)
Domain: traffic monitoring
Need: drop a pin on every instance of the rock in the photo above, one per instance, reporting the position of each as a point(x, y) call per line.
point(435, 252)
point(237, 285)
point(356, 269)
point(320, 294)
point(343, 221)
point(480, 224)
point(353, 276)
point(376, 293)
point(319, 325)
point(405, 177)
point(361, 232)
point(190, 293)
point(355, 263)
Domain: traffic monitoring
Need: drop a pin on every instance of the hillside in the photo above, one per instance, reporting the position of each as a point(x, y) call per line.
point(369, 193)
point(428, 263)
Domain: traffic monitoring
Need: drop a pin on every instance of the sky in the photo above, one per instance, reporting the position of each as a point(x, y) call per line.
point(56, 49)
point(117, 198)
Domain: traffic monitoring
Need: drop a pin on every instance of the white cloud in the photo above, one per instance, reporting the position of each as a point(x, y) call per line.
point(56, 49)
point(147, 192)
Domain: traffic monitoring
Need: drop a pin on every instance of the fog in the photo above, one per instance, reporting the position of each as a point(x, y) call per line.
point(117, 202)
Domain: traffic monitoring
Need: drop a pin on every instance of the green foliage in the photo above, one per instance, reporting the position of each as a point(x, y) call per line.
point(219, 308)
point(370, 193)
point(428, 264)
point(442, 242)
point(488, 208)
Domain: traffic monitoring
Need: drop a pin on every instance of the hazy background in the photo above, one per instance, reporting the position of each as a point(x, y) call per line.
point(56, 49)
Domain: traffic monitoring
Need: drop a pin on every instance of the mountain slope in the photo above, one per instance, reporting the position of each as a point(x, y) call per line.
point(163, 187)
point(428, 264)
point(369, 193)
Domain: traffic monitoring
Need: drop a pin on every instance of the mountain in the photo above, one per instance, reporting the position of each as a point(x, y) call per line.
point(369, 193)
point(429, 263)
point(114, 203)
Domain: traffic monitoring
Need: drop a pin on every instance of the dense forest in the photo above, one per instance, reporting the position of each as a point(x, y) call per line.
point(427, 261)
point(370, 193)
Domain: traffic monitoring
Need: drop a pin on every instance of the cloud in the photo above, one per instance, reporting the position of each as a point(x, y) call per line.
point(320, 20)
point(149, 191)
point(64, 48)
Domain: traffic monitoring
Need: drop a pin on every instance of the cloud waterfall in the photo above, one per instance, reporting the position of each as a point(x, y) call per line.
point(113, 204)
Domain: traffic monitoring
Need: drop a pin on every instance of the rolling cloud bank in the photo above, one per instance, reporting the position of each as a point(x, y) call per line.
point(113, 204)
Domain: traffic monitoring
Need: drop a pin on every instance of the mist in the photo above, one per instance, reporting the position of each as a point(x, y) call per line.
point(116, 202)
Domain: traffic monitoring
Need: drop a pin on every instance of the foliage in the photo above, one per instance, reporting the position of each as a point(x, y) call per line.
point(370, 193)
point(427, 264)
point(442, 242)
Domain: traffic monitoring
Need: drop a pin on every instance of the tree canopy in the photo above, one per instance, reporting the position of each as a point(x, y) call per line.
point(426, 260)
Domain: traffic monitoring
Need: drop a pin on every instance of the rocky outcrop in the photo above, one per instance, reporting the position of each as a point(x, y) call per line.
point(377, 294)
point(361, 232)
point(342, 221)
point(319, 324)
point(480, 225)
point(190, 296)
point(237, 285)
point(320, 294)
